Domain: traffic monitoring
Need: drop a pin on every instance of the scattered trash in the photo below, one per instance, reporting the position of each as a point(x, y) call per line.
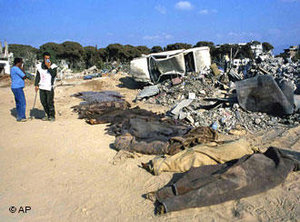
point(214, 126)
point(95, 75)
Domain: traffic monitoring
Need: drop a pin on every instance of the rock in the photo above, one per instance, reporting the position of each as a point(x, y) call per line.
point(202, 92)
point(215, 69)
point(176, 81)
point(184, 103)
point(238, 132)
point(257, 121)
point(190, 118)
point(148, 91)
point(192, 96)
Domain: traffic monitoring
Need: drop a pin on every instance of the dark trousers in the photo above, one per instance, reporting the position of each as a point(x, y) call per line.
point(47, 100)
point(20, 102)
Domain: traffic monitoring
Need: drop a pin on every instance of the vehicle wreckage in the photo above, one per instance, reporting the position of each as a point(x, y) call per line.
point(151, 68)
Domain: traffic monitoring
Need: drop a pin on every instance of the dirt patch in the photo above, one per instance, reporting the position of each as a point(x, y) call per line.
point(4, 81)
point(93, 85)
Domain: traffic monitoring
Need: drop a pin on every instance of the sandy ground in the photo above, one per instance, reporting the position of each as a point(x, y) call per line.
point(64, 172)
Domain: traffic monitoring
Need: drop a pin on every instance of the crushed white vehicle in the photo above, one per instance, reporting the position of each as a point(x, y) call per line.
point(151, 68)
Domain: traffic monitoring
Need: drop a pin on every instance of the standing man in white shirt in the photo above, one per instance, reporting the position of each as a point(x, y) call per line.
point(44, 81)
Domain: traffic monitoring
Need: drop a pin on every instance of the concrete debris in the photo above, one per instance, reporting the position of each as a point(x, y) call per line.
point(192, 96)
point(184, 103)
point(93, 72)
point(206, 99)
point(215, 69)
point(176, 81)
point(148, 91)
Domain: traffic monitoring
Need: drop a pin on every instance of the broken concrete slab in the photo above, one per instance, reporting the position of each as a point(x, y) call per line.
point(192, 96)
point(215, 69)
point(148, 91)
point(184, 103)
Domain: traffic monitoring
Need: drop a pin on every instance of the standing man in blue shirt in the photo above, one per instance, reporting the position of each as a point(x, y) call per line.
point(17, 84)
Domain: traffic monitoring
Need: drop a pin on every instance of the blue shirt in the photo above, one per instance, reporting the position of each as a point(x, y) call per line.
point(16, 76)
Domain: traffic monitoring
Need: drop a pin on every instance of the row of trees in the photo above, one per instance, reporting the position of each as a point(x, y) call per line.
point(27, 52)
point(79, 57)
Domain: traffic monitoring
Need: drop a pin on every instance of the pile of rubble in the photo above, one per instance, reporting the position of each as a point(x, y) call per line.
point(277, 67)
point(94, 72)
point(193, 97)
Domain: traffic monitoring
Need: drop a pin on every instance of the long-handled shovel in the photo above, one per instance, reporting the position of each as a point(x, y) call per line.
point(31, 111)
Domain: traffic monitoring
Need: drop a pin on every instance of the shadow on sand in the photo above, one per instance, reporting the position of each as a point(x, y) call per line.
point(35, 113)
point(130, 83)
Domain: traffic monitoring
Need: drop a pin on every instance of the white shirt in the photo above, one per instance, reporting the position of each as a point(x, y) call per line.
point(45, 77)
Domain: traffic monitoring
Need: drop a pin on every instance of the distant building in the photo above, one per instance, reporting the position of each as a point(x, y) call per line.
point(5, 59)
point(241, 62)
point(239, 44)
point(257, 49)
point(292, 51)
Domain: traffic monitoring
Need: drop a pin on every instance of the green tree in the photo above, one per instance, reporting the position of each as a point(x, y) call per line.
point(204, 43)
point(143, 49)
point(27, 52)
point(103, 54)
point(53, 48)
point(122, 53)
point(267, 47)
point(177, 46)
point(91, 56)
point(130, 52)
point(73, 52)
point(297, 56)
point(255, 42)
point(115, 52)
point(157, 48)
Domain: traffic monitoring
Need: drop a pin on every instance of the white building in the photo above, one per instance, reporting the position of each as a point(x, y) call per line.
point(241, 62)
point(5, 59)
point(257, 49)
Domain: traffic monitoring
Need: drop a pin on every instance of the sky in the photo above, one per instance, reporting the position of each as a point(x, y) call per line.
point(150, 22)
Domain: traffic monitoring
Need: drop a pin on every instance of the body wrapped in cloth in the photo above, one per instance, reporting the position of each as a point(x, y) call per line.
point(157, 137)
point(204, 154)
point(214, 184)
